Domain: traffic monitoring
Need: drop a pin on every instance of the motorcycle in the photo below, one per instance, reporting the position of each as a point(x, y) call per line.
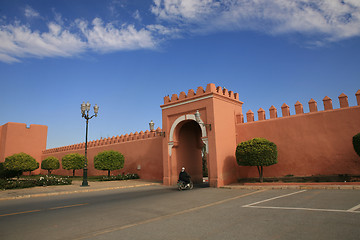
point(183, 186)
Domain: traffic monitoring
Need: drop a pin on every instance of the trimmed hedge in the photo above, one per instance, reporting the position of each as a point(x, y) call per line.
point(108, 161)
point(73, 161)
point(50, 163)
point(21, 162)
point(4, 173)
point(257, 152)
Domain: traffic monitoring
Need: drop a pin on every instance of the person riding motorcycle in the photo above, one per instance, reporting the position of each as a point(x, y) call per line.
point(184, 176)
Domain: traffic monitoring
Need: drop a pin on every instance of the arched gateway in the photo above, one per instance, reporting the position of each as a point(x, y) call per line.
point(188, 135)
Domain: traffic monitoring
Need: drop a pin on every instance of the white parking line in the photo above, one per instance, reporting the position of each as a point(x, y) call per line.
point(266, 200)
point(251, 205)
point(353, 209)
point(306, 209)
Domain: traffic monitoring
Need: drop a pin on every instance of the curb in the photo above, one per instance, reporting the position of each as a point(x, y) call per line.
point(74, 191)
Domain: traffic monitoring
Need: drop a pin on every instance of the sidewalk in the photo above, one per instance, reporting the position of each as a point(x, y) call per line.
point(75, 187)
point(111, 185)
point(282, 185)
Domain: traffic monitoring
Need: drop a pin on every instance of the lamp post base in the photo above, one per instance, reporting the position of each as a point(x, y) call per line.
point(85, 182)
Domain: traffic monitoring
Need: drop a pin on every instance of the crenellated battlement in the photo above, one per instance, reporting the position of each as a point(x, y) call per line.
point(210, 89)
point(107, 141)
point(299, 109)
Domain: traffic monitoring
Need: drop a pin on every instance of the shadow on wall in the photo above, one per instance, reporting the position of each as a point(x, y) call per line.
point(230, 170)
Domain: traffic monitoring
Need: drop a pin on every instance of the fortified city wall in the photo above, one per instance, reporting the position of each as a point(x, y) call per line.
point(314, 143)
point(142, 152)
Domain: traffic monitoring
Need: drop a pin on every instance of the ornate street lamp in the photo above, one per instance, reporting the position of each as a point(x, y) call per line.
point(151, 125)
point(85, 108)
point(198, 120)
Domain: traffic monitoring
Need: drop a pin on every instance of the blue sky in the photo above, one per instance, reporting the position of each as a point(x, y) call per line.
point(127, 55)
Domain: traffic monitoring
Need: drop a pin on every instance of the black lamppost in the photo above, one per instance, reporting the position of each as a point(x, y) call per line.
point(85, 108)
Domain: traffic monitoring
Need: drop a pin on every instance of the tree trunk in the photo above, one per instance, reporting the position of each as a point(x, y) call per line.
point(73, 172)
point(49, 172)
point(260, 170)
point(108, 173)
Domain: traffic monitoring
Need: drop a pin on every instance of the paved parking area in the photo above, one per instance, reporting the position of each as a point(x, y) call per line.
point(252, 215)
point(312, 200)
point(159, 212)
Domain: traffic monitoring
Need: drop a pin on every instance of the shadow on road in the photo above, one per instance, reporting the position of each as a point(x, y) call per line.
point(202, 185)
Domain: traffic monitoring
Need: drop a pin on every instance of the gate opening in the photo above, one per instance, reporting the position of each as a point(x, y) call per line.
point(192, 152)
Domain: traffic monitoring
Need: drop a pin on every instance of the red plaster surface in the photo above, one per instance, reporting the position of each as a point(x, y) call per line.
point(318, 143)
point(16, 138)
point(146, 153)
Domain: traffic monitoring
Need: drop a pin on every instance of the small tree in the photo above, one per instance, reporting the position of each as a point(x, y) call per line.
point(356, 143)
point(73, 161)
point(109, 160)
point(21, 162)
point(5, 173)
point(257, 152)
point(50, 163)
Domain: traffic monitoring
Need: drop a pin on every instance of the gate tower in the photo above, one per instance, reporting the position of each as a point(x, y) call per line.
point(214, 130)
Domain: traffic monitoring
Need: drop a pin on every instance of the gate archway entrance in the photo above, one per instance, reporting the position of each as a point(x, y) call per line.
point(187, 141)
point(189, 151)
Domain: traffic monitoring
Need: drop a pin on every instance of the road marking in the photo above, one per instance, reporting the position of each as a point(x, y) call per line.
point(9, 214)
point(75, 205)
point(38, 210)
point(266, 200)
point(304, 209)
point(118, 228)
point(251, 205)
point(353, 209)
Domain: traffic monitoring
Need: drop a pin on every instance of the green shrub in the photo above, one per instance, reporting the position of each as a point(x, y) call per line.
point(356, 143)
point(52, 180)
point(257, 152)
point(120, 177)
point(41, 181)
point(21, 162)
point(14, 184)
point(73, 161)
point(50, 163)
point(109, 160)
point(4, 173)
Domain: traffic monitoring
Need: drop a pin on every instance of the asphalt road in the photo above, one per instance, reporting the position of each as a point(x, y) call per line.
point(158, 212)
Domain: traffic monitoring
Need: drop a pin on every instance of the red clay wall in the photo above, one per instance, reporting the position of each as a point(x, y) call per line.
point(17, 137)
point(142, 152)
point(317, 143)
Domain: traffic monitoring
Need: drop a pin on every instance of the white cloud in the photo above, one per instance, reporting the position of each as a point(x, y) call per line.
point(106, 37)
point(187, 10)
point(30, 12)
point(163, 31)
point(137, 15)
point(333, 19)
point(18, 41)
point(321, 20)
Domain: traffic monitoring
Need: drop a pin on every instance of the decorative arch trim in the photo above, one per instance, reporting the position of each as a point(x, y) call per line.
point(179, 120)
